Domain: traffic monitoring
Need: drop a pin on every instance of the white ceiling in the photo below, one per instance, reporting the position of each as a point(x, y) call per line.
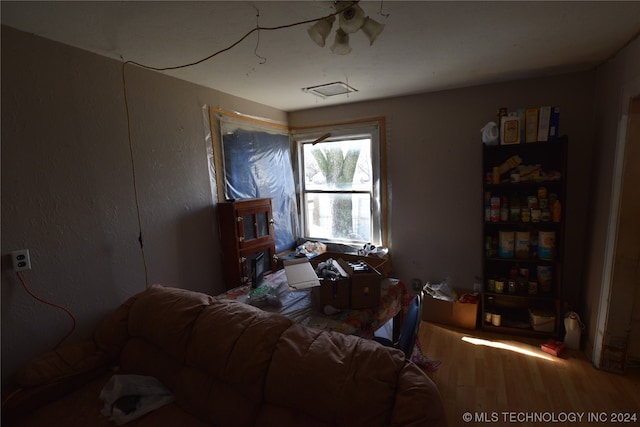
point(425, 46)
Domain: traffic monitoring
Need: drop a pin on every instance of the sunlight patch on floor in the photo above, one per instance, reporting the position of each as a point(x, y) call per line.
point(509, 347)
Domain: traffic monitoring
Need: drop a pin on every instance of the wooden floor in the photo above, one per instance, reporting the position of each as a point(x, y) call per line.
point(483, 385)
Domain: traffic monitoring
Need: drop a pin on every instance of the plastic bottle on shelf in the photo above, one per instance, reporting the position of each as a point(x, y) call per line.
point(557, 211)
point(504, 209)
point(573, 327)
point(495, 209)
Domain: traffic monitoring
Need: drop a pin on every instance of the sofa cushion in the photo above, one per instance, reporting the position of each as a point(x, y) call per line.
point(66, 361)
point(82, 409)
point(234, 342)
point(337, 379)
point(212, 400)
point(159, 323)
point(142, 357)
point(416, 404)
point(112, 332)
point(165, 316)
point(229, 355)
point(281, 416)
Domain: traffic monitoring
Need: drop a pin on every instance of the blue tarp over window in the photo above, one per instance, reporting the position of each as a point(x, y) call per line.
point(258, 165)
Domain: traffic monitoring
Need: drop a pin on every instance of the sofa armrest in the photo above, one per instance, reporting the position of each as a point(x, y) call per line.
point(52, 375)
point(55, 365)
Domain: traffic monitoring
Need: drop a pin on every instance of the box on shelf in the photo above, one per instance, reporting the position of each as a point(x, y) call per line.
point(365, 283)
point(462, 315)
point(542, 321)
point(510, 129)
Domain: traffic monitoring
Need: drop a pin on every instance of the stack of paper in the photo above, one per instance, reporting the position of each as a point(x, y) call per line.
point(300, 274)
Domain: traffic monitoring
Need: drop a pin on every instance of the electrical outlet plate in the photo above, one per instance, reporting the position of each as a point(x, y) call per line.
point(21, 260)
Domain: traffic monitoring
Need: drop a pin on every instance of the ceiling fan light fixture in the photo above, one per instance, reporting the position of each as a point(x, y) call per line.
point(321, 29)
point(372, 29)
point(341, 43)
point(352, 19)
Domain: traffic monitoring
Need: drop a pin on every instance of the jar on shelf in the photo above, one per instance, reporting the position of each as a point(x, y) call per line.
point(536, 214)
point(542, 193)
point(496, 319)
point(491, 285)
point(488, 313)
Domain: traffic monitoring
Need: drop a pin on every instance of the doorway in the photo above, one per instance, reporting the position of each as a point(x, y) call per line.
point(620, 324)
point(627, 259)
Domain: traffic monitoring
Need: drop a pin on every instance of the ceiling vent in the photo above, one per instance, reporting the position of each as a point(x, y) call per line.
point(329, 89)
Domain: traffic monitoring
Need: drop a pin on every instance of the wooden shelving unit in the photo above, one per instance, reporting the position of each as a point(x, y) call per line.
point(246, 231)
point(523, 246)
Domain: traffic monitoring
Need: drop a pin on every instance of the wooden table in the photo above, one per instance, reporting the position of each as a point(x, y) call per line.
point(299, 306)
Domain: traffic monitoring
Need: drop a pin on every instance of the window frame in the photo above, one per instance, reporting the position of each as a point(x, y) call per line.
point(375, 129)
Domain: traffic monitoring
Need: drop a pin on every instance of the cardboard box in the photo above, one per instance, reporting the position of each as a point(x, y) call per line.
point(365, 283)
point(336, 293)
point(542, 321)
point(510, 129)
point(531, 125)
point(383, 265)
point(462, 315)
point(362, 288)
point(553, 347)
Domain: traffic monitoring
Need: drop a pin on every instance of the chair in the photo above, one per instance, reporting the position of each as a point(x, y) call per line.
point(410, 328)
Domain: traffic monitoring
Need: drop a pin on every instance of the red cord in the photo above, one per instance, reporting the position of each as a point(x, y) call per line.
point(73, 319)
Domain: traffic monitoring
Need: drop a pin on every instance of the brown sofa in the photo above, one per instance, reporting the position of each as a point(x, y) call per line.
point(227, 364)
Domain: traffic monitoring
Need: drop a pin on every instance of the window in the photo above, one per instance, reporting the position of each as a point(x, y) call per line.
point(341, 183)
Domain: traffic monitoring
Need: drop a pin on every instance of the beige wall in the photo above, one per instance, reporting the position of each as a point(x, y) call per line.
point(67, 192)
point(618, 80)
point(435, 177)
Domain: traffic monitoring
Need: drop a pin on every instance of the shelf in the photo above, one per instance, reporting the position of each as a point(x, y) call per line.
point(549, 297)
point(523, 185)
point(516, 331)
point(521, 224)
point(517, 148)
point(522, 260)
